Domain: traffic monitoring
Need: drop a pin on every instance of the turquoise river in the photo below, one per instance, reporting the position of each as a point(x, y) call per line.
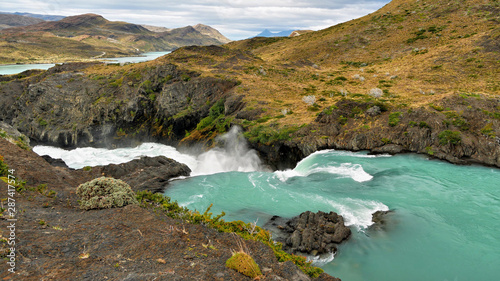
point(445, 225)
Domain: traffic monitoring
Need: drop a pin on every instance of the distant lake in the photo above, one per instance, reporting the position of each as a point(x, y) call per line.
point(18, 68)
point(144, 57)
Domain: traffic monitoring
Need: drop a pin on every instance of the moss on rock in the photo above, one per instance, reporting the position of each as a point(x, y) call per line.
point(105, 192)
point(244, 264)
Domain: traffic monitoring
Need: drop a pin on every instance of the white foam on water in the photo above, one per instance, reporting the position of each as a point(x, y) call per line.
point(309, 166)
point(192, 199)
point(356, 212)
point(357, 154)
point(285, 175)
point(321, 260)
point(234, 156)
point(89, 156)
point(354, 171)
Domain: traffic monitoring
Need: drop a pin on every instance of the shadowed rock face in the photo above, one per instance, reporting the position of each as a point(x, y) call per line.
point(146, 173)
point(160, 103)
point(309, 233)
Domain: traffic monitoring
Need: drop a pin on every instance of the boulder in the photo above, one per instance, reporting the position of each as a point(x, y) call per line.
point(381, 219)
point(56, 162)
point(309, 233)
point(146, 173)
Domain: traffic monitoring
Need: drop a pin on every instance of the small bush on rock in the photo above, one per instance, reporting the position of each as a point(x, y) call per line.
point(244, 264)
point(103, 193)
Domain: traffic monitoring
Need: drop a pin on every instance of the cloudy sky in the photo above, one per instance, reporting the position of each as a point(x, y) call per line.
point(236, 19)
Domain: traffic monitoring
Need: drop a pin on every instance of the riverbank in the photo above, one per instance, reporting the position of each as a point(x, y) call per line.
point(55, 239)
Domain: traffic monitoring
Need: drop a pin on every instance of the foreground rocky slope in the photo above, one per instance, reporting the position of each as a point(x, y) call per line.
point(56, 240)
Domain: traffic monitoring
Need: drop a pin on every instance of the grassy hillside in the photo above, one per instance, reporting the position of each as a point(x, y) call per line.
point(415, 52)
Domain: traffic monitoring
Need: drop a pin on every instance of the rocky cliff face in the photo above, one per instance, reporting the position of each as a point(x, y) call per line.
point(73, 105)
point(460, 129)
point(68, 107)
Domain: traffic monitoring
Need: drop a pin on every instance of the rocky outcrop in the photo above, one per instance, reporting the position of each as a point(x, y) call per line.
point(56, 162)
point(146, 173)
point(381, 219)
point(158, 103)
point(460, 130)
point(12, 134)
point(309, 233)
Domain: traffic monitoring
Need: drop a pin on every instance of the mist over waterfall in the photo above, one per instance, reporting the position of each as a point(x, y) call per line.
point(234, 155)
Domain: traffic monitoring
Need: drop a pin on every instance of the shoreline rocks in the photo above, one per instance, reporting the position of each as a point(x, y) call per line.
point(309, 233)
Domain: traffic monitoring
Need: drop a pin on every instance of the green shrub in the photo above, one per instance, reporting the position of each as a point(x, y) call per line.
point(238, 227)
point(217, 109)
point(394, 118)
point(103, 192)
point(488, 130)
point(423, 124)
point(42, 122)
point(215, 119)
point(449, 137)
point(436, 107)
point(244, 264)
point(342, 120)
point(205, 122)
point(266, 135)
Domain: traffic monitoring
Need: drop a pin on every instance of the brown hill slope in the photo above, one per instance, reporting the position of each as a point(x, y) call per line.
point(90, 35)
point(212, 32)
point(429, 56)
point(8, 20)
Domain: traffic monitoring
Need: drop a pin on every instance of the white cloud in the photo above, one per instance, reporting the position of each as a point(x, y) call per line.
point(237, 19)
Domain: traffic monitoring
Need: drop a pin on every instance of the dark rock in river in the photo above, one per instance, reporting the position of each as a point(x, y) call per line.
point(380, 219)
point(309, 233)
point(146, 173)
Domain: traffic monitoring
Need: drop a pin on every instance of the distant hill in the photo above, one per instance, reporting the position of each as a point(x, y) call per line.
point(201, 28)
point(212, 32)
point(268, 33)
point(39, 16)
point(88, 36)
point(10, 20)
point(156, 28)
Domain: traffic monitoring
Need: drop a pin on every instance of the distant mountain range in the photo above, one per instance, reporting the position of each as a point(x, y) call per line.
point(38, 16)
point(28, 39)
point(268, 33)
point(10, 20)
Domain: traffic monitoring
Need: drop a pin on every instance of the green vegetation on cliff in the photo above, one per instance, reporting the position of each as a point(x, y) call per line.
point(247, 231)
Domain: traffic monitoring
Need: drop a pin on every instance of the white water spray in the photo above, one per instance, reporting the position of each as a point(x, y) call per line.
point(234, 156)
